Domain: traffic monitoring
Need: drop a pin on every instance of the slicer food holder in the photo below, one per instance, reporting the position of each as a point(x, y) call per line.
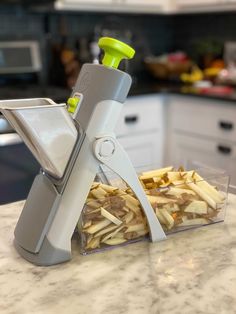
point(124, 233)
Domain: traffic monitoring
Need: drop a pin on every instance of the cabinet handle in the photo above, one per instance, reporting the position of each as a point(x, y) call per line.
point(131, 119)
point(224, 149)
point(228, 126)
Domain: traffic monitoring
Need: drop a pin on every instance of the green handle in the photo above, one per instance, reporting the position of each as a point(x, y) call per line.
point(115, 51)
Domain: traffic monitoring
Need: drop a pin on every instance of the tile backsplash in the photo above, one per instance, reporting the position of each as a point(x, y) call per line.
point(149, 34)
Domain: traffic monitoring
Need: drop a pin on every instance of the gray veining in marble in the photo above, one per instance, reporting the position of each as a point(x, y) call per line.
point(192, 272)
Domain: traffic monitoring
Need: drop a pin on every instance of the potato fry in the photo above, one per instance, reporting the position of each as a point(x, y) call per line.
point(135, 228)
point(169, 219)
point(110, 217)
point(98, 193)
point(112, 234)
point(105, 230)
point(197, 207)
point(115, 241)
point(98, 226)
point(113, 215)
point(202, 194)
point(209, 188)
point(155, 173)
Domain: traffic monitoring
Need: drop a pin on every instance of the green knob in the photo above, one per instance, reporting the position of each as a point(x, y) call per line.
point(115, 51)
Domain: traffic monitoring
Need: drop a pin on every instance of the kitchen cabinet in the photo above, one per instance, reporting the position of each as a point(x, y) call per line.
point(90, 5)
point(203, 5)
point(148, 6)
point(140, 130)
point(202, 130)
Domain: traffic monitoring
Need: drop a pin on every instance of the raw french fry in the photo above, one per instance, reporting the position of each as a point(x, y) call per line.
point(154, 173)
point(95, 184)
point(112, 234)
point(110, 217)
point(179, 198)
point(136, 228)
point(172, 208)
point(130, 204)
point(87, 224)
point(98, 226)
point(128, 217)
point(197, 207)
point(202, 194)
point(169, 219)
point(94, 243)
point(93, 203)
point(115, 241)
point(179, 184)
point(178, 191)
point(209, 188)
point(160, 217)
point(130, 199)
point(108, 188)
point(141, 233)
point(105, 230)
point(98, 193)
point(196, 221)
point(159, 200)
point(174, 175)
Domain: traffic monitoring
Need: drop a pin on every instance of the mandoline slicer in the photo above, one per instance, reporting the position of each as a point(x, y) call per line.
point(71, 149)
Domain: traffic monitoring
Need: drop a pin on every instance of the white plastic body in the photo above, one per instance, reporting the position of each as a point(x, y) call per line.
point(84, 171)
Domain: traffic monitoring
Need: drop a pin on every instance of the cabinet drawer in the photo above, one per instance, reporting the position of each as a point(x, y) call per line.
point(140, 114)
point(145, 150)
point(212, 118)
point(216, 154)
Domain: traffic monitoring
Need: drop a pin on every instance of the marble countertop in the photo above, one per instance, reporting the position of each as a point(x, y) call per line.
point(192, 272)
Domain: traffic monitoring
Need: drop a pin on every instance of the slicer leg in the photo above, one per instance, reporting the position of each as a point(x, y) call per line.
point(108, 151)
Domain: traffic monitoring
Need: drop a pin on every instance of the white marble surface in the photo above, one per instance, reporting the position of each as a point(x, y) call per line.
point(191, 272)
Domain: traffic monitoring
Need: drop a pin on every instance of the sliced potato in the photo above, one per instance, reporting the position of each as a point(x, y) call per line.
point(169, 219)
point(110, 217)
point(154, 199)
point(155, 173)
point(98, 226)
point(115, 241)
point(98, 192)
point(192, 222)
point(202, 194)
point(197, 207)
point(136, 228)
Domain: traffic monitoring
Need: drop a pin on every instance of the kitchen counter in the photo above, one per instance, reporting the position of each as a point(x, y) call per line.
point(155, 87)
point(191, 272)
point(143, 86)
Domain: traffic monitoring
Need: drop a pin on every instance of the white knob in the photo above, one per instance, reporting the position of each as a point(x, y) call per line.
point(106, 149)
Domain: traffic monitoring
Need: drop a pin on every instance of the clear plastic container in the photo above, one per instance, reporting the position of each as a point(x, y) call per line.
point(181, 200)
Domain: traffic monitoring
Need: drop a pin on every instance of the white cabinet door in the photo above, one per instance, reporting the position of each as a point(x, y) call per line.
point(95, 2)
point(145, 151)
point(203, 117)
point(140, 130)
point(144, 2)
point(215, 154)
point(141, 114)
point(90, 5)
point(195, 3)
point(148, 6)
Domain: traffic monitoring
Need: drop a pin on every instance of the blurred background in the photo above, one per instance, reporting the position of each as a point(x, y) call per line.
point(43, 45)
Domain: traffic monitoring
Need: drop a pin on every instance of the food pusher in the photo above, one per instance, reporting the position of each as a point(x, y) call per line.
point(84, 140)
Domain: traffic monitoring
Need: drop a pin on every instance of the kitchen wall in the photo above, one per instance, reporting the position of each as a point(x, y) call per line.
point(150, 34)
point(192, 29)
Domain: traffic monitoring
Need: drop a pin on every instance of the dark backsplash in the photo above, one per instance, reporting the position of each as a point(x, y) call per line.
point(149, 34)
